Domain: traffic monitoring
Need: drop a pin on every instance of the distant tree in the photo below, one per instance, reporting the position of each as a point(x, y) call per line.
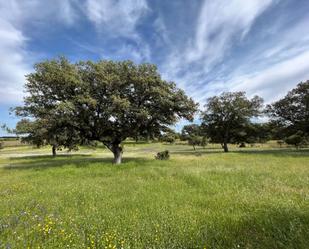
point(6, 128)
point(280, 143)
point(197, 141)
point(42, 132)
point(193, 133)
point(298, 139)
point(276, 130)
point(227, 114)
point(190, 130)
point(291, 113)
point(250, 133)
point(177, 135)
point(169, 136)
point(105, 101)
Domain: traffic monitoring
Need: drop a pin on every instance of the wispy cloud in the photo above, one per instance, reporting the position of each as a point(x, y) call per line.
point(205, 47)
point(272, 68)
point(273, 82)
point(228, 52)
point(219, 26)
point(219, 23)
point(39, 12)
point(119, 18)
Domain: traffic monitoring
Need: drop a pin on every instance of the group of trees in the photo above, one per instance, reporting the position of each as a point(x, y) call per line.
point(290, 116)
point(229, 118)
point(70, 104)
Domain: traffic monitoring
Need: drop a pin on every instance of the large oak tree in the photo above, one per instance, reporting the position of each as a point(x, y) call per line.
point(106, 101)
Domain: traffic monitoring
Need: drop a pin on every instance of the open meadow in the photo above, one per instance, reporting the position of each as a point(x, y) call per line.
point(248, 198)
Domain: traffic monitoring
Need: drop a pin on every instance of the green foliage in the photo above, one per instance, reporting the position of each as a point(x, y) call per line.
point(197, 141)
point(296, 139)
point(251, 133)
point(228, 114)
point(168, 136)
point(292, 111)
point(105, 101)
point(194, 134)
point(45, 131)
point(190, 130)
point(163, 155)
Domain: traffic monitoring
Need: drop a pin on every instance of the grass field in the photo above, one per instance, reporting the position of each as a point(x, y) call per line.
point(248, 198)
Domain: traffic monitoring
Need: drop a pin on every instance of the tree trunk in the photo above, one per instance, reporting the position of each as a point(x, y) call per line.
point(193, 147)
point(117, 151)
point(54, 150)
point(226, 149)
point(225, 140)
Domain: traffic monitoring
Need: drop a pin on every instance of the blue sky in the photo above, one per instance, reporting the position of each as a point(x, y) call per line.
point(206, 47)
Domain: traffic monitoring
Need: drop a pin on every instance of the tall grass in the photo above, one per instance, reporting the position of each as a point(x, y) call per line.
point(250, 198)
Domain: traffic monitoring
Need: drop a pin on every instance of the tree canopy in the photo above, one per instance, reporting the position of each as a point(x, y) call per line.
point(291, 113)
point(227, 114)
point(194, 134)
point(106, 101)
point(40, 132)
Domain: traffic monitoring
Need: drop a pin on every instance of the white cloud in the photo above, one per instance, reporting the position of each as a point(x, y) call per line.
point(275, 81)
point(16, 61)
point(39, 11)
point(13, 67)
point(120, 17)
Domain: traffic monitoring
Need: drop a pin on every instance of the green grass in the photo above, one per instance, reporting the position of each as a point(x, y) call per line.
point(249, 198)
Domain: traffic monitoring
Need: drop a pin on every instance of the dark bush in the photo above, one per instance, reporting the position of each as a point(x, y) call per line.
point(163, 155)
point(280, 143)
point(296, 139)
point(242, 145)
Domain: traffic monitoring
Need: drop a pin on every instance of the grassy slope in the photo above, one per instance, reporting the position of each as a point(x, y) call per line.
point(245, 199)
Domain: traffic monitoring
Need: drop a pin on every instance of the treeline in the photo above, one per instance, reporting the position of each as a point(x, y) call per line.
point(70, 104)
point(229, 119)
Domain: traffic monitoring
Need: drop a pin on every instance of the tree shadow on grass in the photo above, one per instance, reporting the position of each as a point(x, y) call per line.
point(267, 228)
point(278, 152)
point(274, 152)
point(42, 162)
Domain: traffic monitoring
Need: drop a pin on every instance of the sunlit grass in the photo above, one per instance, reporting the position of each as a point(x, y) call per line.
point(249, 198)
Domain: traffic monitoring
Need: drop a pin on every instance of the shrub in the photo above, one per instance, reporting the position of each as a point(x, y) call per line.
point(280, 143)
point(163, 155)
point(242, 145)
point(168, 139)
point(295, 139)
